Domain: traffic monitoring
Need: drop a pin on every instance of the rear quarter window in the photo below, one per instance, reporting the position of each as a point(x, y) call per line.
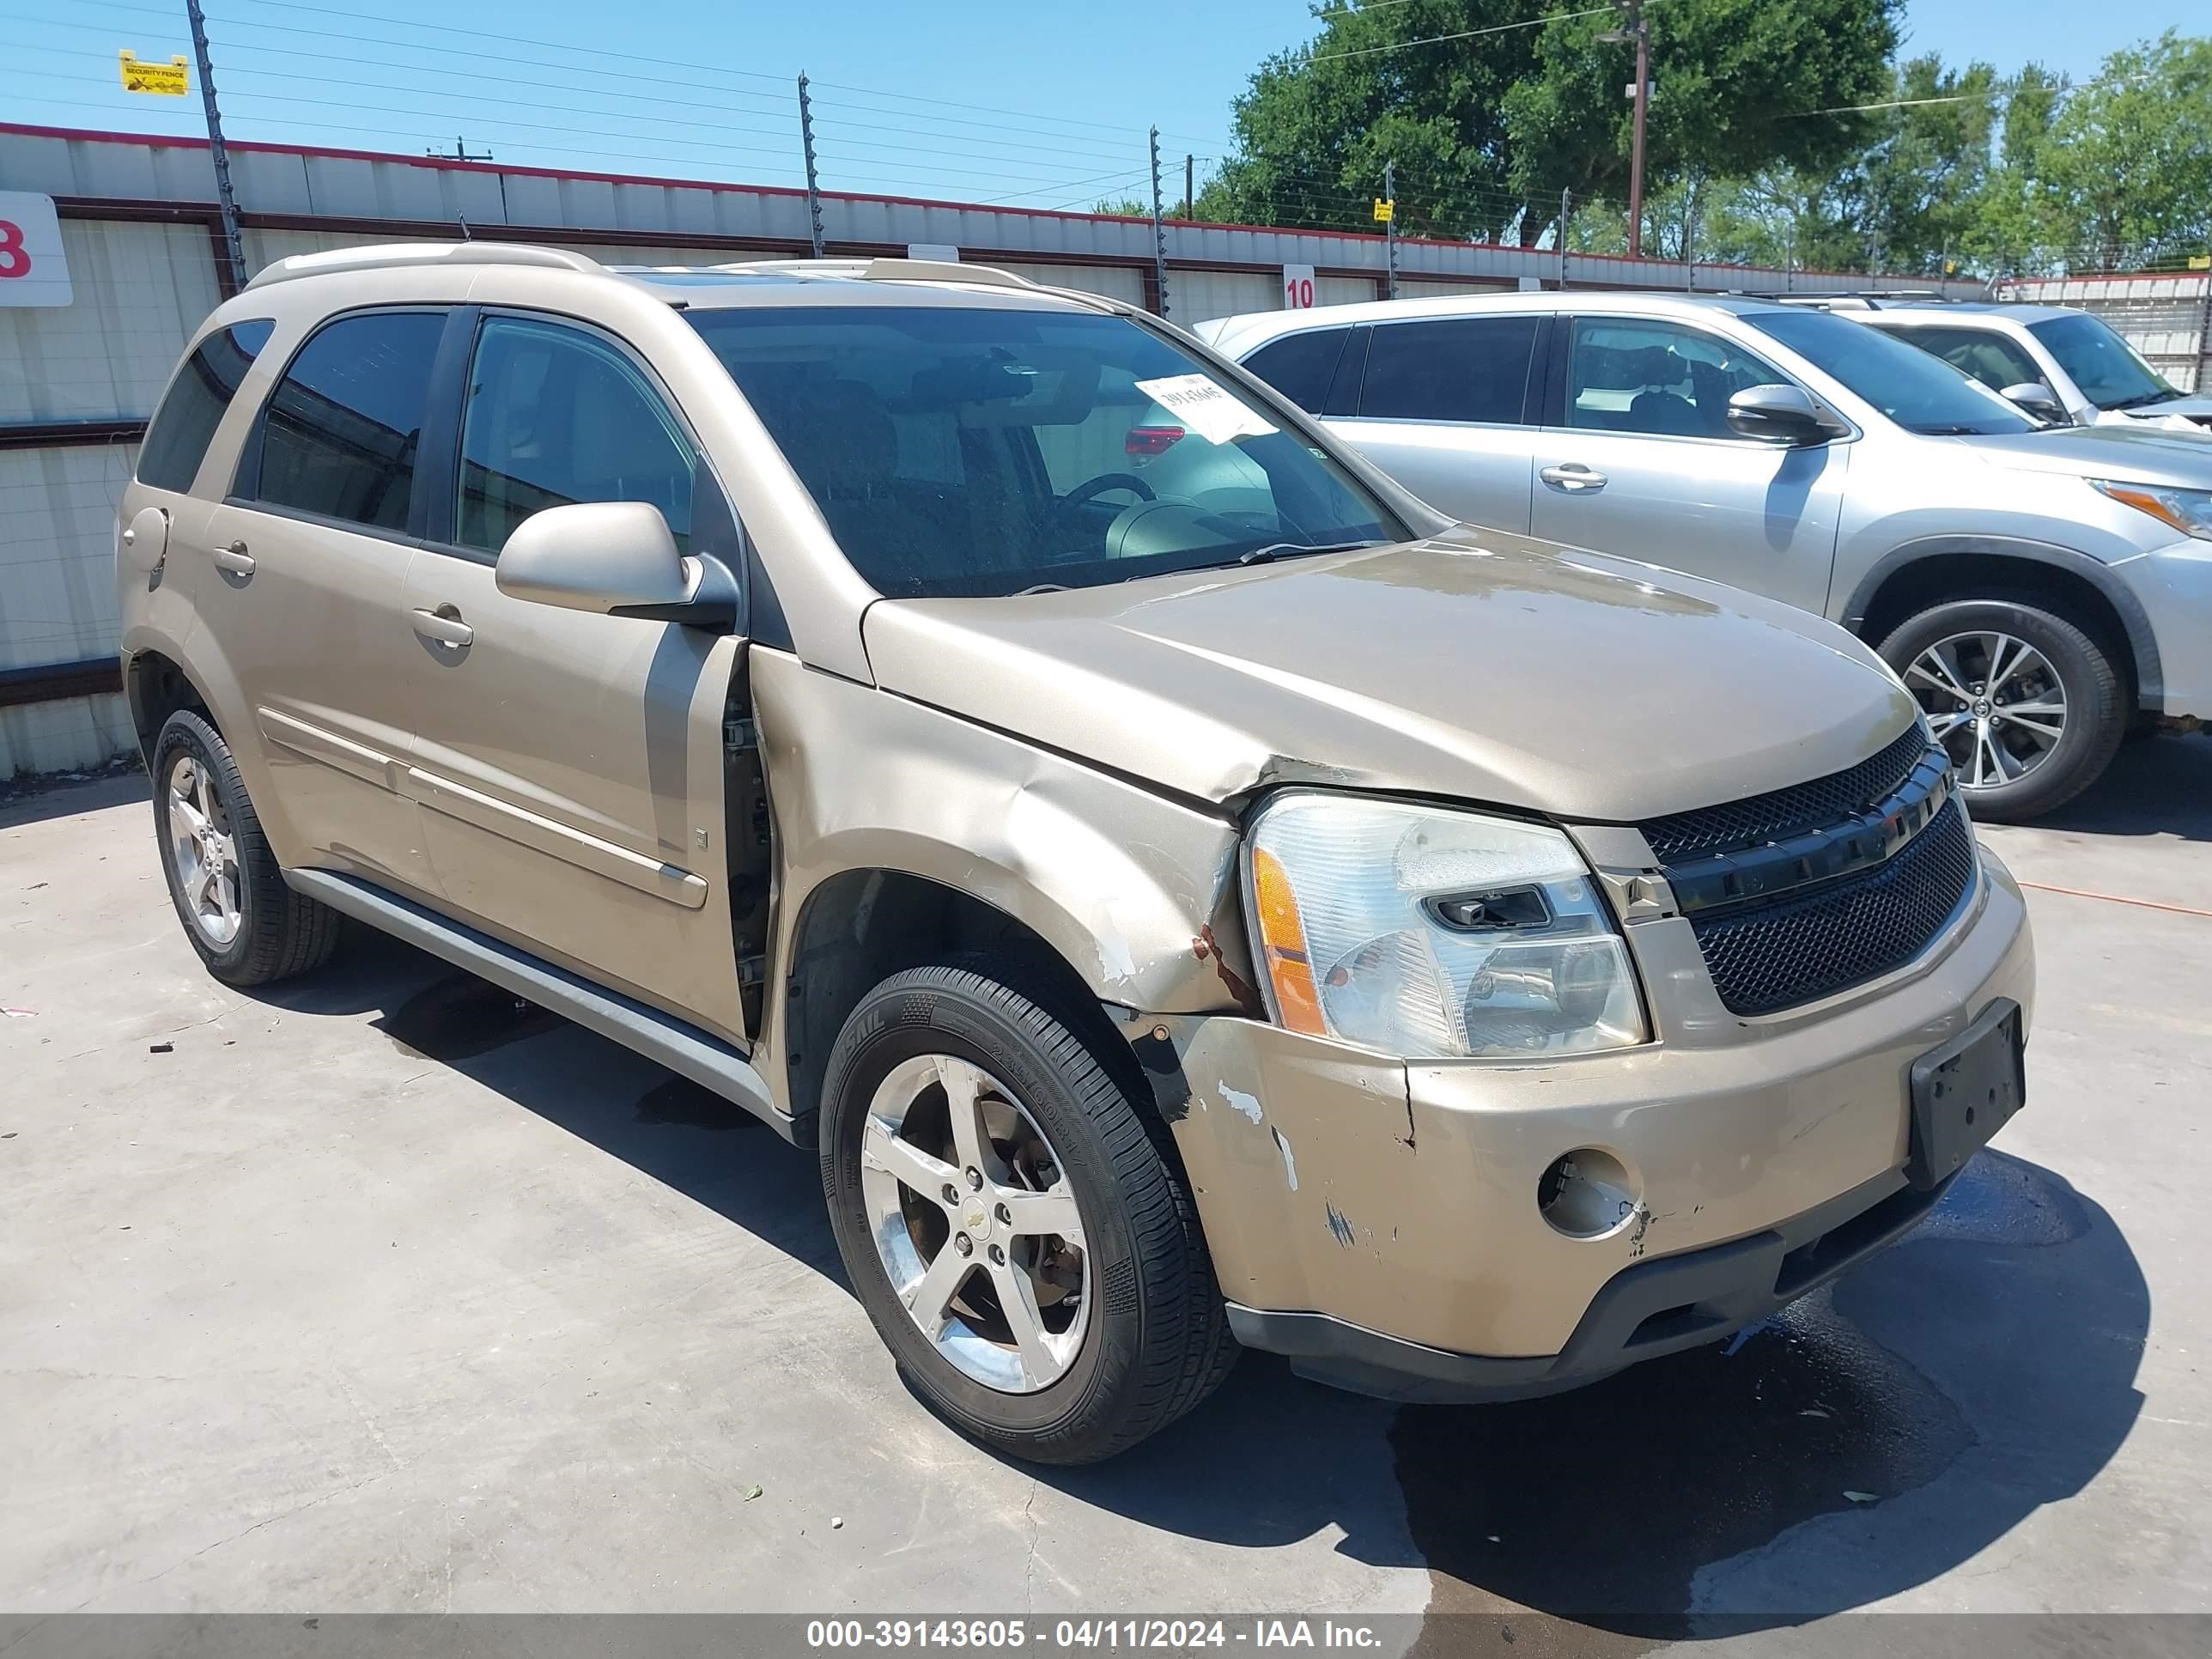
point(183, 427)
point(1300, 366)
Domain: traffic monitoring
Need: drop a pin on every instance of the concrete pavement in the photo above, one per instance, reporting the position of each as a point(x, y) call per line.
point(377, 1293)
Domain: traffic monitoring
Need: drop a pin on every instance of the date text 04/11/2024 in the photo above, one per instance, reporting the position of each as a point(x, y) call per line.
point(1153, 1635)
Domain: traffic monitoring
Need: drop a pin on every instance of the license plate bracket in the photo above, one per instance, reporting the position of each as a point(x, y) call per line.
point(1963, 1092)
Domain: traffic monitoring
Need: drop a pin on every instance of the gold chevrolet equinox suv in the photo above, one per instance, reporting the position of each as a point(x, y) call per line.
point(1189, 893)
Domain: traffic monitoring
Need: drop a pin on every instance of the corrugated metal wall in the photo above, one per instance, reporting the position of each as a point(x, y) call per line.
point(137, 229)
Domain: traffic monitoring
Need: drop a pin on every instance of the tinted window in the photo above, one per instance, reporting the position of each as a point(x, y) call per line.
point(1462, 368)
point(1981, 353)
point(2106, 367)
point(340, 435)
point(1655, 378)
point(1299, 365)
point(982, 450)
point(1921, 393)
point(556, 416)
point(185, 425)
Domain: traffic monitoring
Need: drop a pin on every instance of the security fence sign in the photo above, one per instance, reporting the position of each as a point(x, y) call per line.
point(34, 271)
point(171, 80)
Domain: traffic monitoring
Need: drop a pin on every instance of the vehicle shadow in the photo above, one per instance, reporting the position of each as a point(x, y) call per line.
point(2156, 786)
point(665, 1127)
point(1867, 1441)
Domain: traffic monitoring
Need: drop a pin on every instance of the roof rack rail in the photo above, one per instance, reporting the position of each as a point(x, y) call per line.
point(885, 269)
point(382, 256)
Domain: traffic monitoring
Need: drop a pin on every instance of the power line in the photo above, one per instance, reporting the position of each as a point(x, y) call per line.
point(1464, 34)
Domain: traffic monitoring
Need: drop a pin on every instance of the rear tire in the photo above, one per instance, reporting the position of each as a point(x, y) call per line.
point(1147, 1337)
point(248, 926)
point(2009, 767)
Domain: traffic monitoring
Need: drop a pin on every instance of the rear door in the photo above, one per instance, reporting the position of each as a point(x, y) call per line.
point(303, 598)
point(570, 765)
point(1442, 408)
point(1637, 459)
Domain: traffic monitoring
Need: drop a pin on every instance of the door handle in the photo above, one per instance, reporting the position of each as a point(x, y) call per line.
point(235, 559)
point(443, 626)
point(1573, 477)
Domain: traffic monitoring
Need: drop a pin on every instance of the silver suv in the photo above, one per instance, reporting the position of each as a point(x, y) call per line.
point(2040, 590)
point(2091, 373)
point(1187, 892)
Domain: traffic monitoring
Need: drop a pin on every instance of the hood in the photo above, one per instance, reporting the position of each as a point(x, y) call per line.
point(1478, 666)
point(2135, 450)
point(2197, 411)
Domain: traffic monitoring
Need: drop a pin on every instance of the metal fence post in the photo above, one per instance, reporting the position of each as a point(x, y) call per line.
point(234, 248)
point(1390, 230)
point(813, 186)
point(1159, 230)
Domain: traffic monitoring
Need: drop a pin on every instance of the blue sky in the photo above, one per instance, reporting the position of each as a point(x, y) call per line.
point(1040, 104)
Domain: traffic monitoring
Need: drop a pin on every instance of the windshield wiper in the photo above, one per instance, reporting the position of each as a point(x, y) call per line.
point(1274, 550)
point(1953, 432)
point(2163, 395)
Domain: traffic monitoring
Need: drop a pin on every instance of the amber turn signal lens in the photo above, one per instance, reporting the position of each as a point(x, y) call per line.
point(1283, 943)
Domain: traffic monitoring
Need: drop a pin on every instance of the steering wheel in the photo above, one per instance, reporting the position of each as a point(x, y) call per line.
point(1104, 482)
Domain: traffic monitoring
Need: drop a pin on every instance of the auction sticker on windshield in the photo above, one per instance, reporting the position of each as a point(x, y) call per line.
point(1206, 408)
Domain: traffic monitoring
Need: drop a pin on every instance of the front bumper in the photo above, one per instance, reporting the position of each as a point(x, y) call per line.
point(2174, 586)
point(1379, 1221)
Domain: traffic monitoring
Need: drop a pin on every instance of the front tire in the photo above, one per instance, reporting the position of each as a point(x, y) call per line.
point(2030, 707)
point(1012, 1222)
point(249, 927)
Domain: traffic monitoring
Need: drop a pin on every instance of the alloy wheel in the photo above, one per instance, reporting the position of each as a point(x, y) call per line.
point(204, 852)
point(975, 1224)
point(1994, 702)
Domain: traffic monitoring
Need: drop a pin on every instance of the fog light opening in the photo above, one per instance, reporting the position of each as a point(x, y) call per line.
point(1587, 1193)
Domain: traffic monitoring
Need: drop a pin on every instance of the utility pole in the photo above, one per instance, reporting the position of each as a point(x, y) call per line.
point(460, 153)
point(1159, 230)
point(1390, 228)
point(1566, 206)
point(813, 185)
point(233, 249)
point(1640, 93)
point(1190, 186)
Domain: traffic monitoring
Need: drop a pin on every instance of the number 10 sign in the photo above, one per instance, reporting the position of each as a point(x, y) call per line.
point(33, 270)
point(1298, 287)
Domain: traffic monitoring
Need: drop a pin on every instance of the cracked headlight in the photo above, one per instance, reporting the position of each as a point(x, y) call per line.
point(1429, 933)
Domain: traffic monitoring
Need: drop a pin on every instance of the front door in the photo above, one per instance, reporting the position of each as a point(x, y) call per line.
point(570, 765)
point(1640, 462)
point(304, 600)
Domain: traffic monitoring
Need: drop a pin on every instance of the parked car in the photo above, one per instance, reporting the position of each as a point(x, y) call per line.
point(1187, 891)
point(2094, 375)
point(2039, 590)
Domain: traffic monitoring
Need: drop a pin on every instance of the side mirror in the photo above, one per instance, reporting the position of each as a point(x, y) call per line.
point(615, 559)
point(1779, 414)
point(2039, 400)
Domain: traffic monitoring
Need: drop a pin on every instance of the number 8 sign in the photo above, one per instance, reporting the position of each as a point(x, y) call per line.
point(34, 270)
point(1298, 287)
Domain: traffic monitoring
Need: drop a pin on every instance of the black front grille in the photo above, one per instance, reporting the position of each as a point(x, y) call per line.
point(1785, 812)
point(1774, 956)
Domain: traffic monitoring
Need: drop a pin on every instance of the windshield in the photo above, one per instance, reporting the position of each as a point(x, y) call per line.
point(2105, 366)
point(1921, 393)
point(991, 451)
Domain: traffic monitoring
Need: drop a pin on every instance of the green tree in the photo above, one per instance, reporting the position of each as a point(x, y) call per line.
point(1486, 129)
point(1739, 86)
point(2124, 174)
